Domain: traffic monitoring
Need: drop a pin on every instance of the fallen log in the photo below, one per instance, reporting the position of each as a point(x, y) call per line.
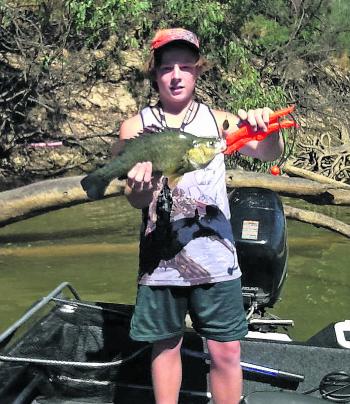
point(291, 186)
point(317, 219)
point(40, 197)
point(289, 169)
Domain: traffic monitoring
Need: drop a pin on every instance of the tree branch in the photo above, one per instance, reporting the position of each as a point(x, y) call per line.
point(317, 219)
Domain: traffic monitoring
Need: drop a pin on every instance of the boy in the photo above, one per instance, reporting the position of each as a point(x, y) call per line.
point(188, 261)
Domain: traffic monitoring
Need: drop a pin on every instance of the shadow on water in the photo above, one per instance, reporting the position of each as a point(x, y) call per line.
point(94, 246)
point(47, 235)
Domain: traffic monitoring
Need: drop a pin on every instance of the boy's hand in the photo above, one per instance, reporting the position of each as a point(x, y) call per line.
point(258, 118)
point(139, 178)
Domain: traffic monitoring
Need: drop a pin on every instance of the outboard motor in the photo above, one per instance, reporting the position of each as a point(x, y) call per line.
point(259, 230)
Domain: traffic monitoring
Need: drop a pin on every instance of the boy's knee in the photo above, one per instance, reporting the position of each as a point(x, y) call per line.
point(225, 353)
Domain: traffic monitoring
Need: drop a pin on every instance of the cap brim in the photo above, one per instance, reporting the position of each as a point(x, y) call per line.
point(172, 41)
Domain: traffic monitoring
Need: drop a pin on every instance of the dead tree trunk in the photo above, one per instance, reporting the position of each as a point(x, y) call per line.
point(317, 219)
point(40, 197)
point(297, 187)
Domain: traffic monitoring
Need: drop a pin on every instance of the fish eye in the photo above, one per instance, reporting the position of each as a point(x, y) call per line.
point(211, 143)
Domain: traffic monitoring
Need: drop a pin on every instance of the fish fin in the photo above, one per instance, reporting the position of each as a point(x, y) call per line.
point(150, 129)
point(118, 147)
point(154, 129)
point(94, 186)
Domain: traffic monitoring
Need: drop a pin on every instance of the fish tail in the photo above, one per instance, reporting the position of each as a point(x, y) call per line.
point(94, 186)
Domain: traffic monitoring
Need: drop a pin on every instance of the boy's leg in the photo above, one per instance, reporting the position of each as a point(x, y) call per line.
point(159, 318)
point(225, 371)
point(167, 370)
point(218, 315)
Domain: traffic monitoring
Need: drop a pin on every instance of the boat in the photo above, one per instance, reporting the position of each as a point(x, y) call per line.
point(65, 349)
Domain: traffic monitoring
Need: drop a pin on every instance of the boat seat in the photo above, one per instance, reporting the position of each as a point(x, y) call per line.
point(280, 397)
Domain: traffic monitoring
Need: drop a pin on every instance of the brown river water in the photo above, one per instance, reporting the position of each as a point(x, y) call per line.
point(94, 246)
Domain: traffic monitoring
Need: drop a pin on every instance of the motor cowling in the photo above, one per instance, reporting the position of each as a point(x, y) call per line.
point(259, 229)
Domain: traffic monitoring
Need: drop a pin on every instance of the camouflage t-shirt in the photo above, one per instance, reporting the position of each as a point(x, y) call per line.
point(191, 242)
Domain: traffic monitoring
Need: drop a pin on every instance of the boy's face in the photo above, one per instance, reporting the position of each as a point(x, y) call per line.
point(177, 74)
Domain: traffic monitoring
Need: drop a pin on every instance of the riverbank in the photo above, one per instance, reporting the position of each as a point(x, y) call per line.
point(62, 99)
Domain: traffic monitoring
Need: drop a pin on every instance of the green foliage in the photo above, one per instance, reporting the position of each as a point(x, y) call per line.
point(264, 33)
point(203, 16)
point(98, 19)
point(243, 84)
point(5, 16)
point(338, 21)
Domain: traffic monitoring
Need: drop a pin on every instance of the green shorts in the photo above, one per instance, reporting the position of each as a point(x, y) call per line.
point(216, 310)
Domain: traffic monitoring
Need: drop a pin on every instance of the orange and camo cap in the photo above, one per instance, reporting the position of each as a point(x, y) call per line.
point(165, 36)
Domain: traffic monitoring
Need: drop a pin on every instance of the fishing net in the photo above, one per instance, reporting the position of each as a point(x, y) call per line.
point(74, 351)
